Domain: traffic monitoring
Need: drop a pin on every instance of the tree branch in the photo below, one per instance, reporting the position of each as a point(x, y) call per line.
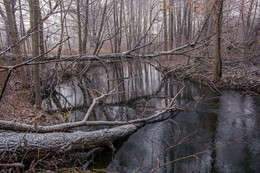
point(31, 30)
point(15, 126)
point(94, 103)
point(11, 68)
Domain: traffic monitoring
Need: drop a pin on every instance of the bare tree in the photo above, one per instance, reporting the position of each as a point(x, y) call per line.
point(34, 22)
point(165, 21)
point(85, 33)
point(13, 35)
point(171, 24)
point(26, 45)
point(217, 73)
point(101, 28)
point(79, 26)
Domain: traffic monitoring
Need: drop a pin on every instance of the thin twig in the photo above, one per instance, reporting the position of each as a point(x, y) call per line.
point(5, 84)
point(15, 126)
point(198, 153)
point(94, 103)
point(30, 31)
point(11, 68)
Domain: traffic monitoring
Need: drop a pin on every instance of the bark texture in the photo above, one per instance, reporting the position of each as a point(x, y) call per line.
point(34, 22)
point(218, 62)
point(30, 144)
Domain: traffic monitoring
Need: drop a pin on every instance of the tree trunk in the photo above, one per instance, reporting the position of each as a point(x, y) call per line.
point(171, 25)
point(217, 73)
point(26, 44)
point(34, 19)
point(28, 145)
point(85, 39)
point(13, 36)
point(79, 27)
point(165, 29)
point(102, 24)
point(179, 25)
point(2, 75)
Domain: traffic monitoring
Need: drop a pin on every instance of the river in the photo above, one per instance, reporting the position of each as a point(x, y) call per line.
point(215, 132)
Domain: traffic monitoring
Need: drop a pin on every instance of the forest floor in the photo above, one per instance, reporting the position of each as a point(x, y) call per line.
point(16, 105)
point(236, 76)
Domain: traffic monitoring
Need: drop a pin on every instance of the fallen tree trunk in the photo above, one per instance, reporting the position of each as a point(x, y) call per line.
point(36, 141)
point(28, 145)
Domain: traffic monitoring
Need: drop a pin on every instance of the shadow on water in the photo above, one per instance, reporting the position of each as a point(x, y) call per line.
point(214, 133)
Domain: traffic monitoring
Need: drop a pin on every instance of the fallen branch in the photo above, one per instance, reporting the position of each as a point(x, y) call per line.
point(21, 127)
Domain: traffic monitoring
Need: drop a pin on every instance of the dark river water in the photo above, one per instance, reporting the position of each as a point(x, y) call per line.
point(215, 132)
point(220, 135)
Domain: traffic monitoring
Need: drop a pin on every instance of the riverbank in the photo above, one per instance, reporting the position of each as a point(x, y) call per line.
point(235, 77)
point(16, 103)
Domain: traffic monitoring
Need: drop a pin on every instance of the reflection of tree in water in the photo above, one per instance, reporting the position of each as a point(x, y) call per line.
point(209, 140)
point(216, 120)
point(237, 119)
point(140, 152)
point(127, 78)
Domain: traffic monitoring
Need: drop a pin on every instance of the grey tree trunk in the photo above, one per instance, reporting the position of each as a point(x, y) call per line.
point(13, 36)
point(79, 27)
point(171, 25)
point(85, 39)
point(28, 145)
point(34, 19)
point(165, 29)
point(217, 73)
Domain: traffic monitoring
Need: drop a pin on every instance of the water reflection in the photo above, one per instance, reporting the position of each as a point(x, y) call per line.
point(215, 133)
point(129, 80)
point(220, 135)
point(237, 120)
point(146, 149)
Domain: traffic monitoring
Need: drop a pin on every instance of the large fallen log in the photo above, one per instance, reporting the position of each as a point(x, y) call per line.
point(27, 145)
point(29, 141)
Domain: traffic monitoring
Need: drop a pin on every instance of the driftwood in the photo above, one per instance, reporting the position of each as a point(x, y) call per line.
point(29, 145)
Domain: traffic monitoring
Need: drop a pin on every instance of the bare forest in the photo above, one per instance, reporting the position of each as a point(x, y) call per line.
point(46, 44)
